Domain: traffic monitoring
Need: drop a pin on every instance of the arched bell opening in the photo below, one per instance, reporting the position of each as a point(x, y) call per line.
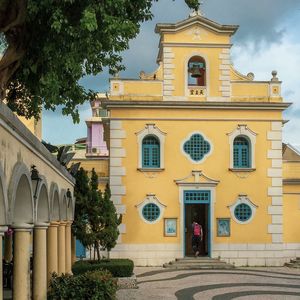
point(196, 69)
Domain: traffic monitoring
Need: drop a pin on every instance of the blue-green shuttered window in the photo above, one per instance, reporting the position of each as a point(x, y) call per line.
point(151, 152)
point(241, 152)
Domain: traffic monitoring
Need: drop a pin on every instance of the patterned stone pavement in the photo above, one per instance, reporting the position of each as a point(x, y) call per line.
point(241, 283)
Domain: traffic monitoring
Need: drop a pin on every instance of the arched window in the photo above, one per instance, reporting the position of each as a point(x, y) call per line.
point(196, 71)
point(241, 152)
point(151, 152)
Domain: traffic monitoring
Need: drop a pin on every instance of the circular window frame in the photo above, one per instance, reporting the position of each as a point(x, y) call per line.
point(151, 199)
point(237, 212)
point(243, 199)
point(157, 217)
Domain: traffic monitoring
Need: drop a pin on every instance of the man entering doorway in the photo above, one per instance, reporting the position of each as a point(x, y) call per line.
point(196, 237)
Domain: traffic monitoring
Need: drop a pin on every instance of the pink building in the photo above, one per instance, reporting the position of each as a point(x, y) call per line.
point(95, 144)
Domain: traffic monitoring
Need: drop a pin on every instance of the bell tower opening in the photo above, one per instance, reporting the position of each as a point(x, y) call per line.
point(196, 69)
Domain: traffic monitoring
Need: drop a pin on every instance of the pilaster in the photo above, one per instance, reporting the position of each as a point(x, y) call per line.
point(275, 191)
point(168, 73)
point(224, 79)
point(116, 169)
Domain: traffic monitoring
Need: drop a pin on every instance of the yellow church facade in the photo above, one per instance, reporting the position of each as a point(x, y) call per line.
point(198, 140)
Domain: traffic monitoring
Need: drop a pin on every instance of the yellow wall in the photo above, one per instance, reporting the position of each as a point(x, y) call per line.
point(34, 126)
point(178, 166)
point(291, 213)
point(100, 166)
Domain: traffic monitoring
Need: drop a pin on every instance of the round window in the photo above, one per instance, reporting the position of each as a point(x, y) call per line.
point(151, 212)
point(243, 212)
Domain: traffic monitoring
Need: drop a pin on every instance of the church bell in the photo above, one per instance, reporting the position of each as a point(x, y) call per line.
point(195, 72)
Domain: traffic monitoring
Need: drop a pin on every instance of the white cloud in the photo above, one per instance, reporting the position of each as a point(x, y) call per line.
point(285, 58)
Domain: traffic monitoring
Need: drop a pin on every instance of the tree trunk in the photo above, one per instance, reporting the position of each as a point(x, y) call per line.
point(12, 25)
point(98, 250)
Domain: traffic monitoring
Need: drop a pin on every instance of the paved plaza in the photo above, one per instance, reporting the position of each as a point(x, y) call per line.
point(241, 283)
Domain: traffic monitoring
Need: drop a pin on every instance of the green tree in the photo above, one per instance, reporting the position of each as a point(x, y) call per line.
point(50, 45)
point(109, 235)
point(96, 222)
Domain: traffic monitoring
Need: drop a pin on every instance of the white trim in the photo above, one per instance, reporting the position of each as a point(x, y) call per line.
point(151, 198)
point(151, 129)
point(243, 130)
point(195, 186)
point(242, 199)
point(188, 156)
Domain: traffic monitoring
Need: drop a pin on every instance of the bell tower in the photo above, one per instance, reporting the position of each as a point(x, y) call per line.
point(195, 57)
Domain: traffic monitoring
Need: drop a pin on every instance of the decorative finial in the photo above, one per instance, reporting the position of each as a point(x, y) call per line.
point(197, 12)
point(250, 76)
point(274, 74)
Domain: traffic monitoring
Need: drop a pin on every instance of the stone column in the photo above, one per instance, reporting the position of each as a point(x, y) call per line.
point(68, 248)
point(39, 261)
point(73, 245)
point(8, 247)
point(52, 250)
point(21, 259)
point(2, 230)
point(62, 248)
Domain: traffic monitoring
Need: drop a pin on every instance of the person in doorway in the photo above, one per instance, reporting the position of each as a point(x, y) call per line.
point(197, 237)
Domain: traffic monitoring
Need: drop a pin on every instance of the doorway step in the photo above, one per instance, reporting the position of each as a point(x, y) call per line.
point(294, 263)
point(197, 263)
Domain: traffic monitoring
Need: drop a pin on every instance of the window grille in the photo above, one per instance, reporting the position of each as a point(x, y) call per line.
point(151, 212)
point(197, 147)
point(241, 153)
point(196, 196)
point(243, 212)
point(151, 152)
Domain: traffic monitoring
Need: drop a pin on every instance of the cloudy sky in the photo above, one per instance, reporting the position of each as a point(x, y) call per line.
point(268, 39)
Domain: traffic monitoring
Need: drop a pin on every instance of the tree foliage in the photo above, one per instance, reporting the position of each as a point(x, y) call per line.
point(51, 45)
point(96, 221)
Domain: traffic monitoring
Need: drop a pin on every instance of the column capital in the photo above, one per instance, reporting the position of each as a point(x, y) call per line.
point(3, 229)
point(41, 225)
point(63, 223)
point(22, 227)
point(69, 223)
point(54, 224)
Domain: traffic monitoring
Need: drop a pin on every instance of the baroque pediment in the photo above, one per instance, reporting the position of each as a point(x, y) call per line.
point(197, 178)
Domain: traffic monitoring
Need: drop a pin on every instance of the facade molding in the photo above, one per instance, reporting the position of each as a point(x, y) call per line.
point(243, 130)
point(243, 199)
point(151, 198)
point(151, 129)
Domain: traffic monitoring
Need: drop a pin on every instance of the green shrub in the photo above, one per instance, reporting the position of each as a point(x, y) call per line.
point(93, 285)
point(117, 267)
